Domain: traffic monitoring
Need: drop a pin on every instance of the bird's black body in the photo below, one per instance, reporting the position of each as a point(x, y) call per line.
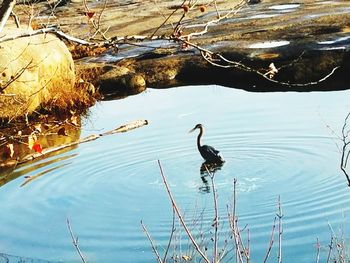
point(209, 153)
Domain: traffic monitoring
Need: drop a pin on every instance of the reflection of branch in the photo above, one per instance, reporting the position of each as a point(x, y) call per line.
point(179, 215)
point(45, 152)
point(75, 242)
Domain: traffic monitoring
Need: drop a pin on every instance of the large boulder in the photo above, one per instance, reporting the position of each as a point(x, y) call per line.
point(34, 71)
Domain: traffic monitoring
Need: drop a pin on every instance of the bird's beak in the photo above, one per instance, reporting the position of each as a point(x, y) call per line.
point(192, 130)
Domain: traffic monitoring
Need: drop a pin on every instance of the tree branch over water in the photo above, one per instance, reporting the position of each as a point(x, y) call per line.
point(75, 242)
point(345, 149)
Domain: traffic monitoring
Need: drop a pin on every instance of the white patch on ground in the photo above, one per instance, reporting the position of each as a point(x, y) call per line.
point(269, 44)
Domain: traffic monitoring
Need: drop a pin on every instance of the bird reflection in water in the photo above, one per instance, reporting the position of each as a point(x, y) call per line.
point(207, 171)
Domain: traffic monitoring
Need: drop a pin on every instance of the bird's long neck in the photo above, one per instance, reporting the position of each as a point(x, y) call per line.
point(199, 137)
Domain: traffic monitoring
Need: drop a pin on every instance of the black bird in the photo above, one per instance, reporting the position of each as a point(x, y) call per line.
point(209, 153)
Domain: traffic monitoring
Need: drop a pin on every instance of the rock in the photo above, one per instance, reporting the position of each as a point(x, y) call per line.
point(34, 71)
point(120, 81)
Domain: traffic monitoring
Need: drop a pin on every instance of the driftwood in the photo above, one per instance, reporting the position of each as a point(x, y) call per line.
point(45, 152)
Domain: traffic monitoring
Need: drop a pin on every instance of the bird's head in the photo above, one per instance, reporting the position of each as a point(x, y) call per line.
point(198, 126)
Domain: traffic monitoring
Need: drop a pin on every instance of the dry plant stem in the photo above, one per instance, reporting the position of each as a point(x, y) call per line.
point(166, 20)
point(271, 241)
point(280, 230)
point(97, 26)
point(330, 250)
point(248, 248)
point(75, 242)
point(216, 217)
point(170, 238)
point(345, 152)
point(234, 225)
point(16, 76)
point(244, 249)
point(318, 247)
point(233, 11)
point(154, 248)
point(179, 215)
point(18, 24)
point(216, 9)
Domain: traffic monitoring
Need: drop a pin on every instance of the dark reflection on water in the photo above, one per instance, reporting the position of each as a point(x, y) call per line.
point(11, 173)
point(208, 170)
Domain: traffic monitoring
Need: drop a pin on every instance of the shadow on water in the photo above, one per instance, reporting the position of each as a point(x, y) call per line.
point(206, 171)
point(9, 174)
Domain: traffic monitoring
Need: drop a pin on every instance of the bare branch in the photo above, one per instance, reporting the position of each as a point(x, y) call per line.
point(5, 12)
point(271, 241)
point(182, 221)
point(280, 230)
point(47, 30)
point(216, 216)
point(330, 250)
point(16, 76)
point(75, 242)
point(166, 19)
point(345, 151)
point(170, 238)
point(318, 248)
point(154, 248)
point(233, 223)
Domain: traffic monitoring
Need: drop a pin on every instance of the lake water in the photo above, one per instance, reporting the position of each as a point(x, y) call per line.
point(275, 144)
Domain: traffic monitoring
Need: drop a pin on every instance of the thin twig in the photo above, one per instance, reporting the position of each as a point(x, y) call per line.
point(271, 241)
point(188, 232)
point(234, 223)
point(15, 17)
point(280, 230)
point(345, 151)
point(75, 242)
point(154, 248)
point(166, 20)
point(44, 31)
point(170, 238)
point(330, 250)
point(318, 248)
point(216, 216)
